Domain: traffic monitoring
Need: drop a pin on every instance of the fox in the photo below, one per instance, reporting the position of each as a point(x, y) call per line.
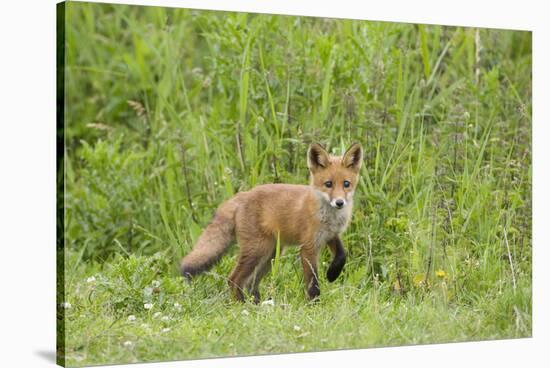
point(309, 216)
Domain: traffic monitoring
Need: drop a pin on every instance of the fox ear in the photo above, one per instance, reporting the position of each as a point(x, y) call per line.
point(317, 157)
point(353, 157)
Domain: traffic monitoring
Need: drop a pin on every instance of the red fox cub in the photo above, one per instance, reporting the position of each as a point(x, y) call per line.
point(305, 215)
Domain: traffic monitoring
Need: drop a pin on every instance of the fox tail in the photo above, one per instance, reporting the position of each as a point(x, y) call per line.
point(213, 242)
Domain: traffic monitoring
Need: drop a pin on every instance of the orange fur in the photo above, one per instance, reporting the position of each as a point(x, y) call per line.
point(305, 215)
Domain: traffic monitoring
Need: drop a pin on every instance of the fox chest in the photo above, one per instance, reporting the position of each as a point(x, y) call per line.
point(332, 222)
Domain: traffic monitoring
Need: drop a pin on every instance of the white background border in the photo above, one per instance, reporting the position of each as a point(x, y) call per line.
point(27, 180)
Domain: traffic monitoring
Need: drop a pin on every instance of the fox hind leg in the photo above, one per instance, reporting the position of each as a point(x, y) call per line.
point(261, 270)
point(242, 271)
point(252, 257)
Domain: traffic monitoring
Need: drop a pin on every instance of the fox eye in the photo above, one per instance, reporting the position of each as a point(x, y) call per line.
point(346, 184)
point(328, 184)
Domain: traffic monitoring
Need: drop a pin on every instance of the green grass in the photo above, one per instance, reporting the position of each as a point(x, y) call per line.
point(171, 111)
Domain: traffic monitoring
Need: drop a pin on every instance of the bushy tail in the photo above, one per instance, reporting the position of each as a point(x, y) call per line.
point(213, 242)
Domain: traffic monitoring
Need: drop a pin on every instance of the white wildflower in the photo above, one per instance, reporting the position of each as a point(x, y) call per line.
point(147, 292)
point(128, 343)
point(165, 318)
point(148, 305)
point(177, 306)
point(157, 314)
point(268, 302)
point(66, 305)
point(79, 357)
point(166, 329)
point(245, 312)
point(90, 279)
point(155, 283)
point(131, 318)
point(297, 328)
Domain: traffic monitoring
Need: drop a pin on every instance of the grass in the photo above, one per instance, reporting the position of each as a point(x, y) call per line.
point(169, 111)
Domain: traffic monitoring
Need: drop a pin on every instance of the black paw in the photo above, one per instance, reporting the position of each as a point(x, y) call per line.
point(313, 292)
point(335, 268)
point(256, 297)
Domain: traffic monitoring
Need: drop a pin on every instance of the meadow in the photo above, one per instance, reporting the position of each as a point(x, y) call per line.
point(168, 112)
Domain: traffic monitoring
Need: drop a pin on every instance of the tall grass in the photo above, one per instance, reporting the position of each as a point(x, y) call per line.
point(171, 111)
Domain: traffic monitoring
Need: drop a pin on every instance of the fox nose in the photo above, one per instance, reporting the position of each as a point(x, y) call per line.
point(339, 203)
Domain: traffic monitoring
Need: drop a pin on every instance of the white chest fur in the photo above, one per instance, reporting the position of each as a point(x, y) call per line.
point(333, 221)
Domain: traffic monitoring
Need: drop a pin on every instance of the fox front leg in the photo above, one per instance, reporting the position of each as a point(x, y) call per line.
point(339, 260)
point(309, 255)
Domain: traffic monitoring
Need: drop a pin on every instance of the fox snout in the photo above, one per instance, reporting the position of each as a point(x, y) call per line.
point(338, 203)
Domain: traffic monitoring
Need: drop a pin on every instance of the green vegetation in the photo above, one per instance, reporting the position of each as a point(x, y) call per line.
point(171, 111)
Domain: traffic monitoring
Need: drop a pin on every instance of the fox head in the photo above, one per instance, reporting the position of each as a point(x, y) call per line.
point(335, 177)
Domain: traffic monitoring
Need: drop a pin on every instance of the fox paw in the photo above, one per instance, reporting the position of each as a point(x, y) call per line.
point(335, 268)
